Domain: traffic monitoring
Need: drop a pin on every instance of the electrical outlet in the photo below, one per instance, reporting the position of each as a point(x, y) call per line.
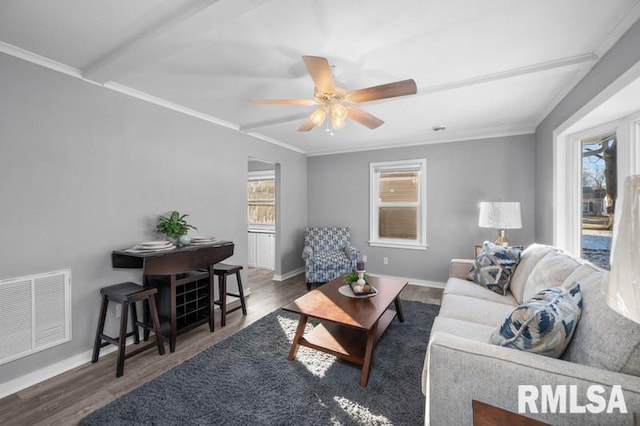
point(118, 311)
point(364, 257)
point(385, 260)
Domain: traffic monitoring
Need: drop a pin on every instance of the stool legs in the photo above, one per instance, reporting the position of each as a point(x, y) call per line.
point(122, 339)
point(156, 323)
point(222, 289)
point(212, 284)
point(127, 294)
point(98, 342)
point(241, 293)
point(134, 321)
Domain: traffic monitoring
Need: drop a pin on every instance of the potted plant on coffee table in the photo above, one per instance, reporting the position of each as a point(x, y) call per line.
point(175, 228)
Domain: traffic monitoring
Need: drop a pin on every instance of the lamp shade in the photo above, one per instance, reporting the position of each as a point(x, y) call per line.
point(623, 292)
point(500, 215)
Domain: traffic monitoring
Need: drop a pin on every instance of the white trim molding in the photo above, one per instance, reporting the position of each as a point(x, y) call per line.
point(419, 165)
point(567, 175)
point(413, 281)
point(288, 275)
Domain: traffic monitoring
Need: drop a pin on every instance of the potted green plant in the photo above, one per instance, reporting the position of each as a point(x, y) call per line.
point(174, 227)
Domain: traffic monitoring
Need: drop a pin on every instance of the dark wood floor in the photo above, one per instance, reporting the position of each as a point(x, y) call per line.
point(67, 398)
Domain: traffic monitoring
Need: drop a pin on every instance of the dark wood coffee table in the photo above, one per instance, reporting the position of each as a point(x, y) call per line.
point(349, 327)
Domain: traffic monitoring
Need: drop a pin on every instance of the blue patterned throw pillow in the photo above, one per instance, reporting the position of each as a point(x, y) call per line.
point(494, 267)
point(544, 324)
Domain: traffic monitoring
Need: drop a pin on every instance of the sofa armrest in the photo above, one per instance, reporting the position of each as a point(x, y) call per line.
point(352, 253)
point(307, 251)
point(459, 268)
point(460, 370)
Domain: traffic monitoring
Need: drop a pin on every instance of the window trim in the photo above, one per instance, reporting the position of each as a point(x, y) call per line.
point(567, 175)
point(262, 175)
point(374, 185)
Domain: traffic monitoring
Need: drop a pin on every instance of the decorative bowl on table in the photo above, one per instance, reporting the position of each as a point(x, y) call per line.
point(357, 281)
point(362, 290)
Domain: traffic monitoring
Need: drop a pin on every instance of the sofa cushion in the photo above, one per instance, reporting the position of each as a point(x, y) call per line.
point(474, 310)
point(551, 271)
point(494, 267)
point(543, 324)
point(528, 260)
point(471, 289)
point(461, 328)
point(604, 338)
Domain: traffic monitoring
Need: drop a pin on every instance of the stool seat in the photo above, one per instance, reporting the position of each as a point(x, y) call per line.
point(128, 291)
point(222, 270)
point(127, 294)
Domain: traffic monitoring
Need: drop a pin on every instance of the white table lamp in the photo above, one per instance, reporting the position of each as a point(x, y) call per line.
point(501, 216)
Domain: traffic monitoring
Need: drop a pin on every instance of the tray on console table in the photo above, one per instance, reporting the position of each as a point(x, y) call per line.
point(179, 275)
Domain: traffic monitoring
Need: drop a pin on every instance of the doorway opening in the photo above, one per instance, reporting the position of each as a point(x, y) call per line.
point(599, 193)
point(262, 213)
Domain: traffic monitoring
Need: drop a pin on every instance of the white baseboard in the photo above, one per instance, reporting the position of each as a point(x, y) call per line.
point(35, 377)
point(288, 275)
point(414, 281)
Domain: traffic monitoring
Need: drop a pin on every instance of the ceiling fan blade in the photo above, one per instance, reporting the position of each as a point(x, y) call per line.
point(320, 72)
point(307, 125)
point(260, 101)
point(389, 90)
point(364, 118)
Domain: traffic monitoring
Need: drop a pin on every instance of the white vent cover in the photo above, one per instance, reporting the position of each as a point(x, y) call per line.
point(35, 313)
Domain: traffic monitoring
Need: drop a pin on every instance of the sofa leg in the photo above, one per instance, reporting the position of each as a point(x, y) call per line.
point(308, 286)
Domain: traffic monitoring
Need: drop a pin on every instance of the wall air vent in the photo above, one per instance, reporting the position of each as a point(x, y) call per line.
point(35, 313)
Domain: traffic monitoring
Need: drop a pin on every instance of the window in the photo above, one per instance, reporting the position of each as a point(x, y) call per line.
point(261, 195)
point(599, 192)
point(398, 204)
point(572, 201)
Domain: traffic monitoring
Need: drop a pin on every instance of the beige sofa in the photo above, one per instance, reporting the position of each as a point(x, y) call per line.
point(461, 365)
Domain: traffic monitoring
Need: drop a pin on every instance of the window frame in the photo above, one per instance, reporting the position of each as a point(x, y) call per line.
point(261, 175)
point(567, 174)
point(375, 168)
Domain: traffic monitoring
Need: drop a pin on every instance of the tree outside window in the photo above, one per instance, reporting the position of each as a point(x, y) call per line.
point(261, 194)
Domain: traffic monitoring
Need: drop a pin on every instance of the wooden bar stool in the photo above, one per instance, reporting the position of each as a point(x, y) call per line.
point(222, 270)
point(127, 294)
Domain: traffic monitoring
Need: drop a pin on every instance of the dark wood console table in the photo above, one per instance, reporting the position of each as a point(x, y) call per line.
point(185, 282)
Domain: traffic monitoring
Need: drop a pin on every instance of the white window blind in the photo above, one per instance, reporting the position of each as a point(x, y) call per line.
point(398, 204)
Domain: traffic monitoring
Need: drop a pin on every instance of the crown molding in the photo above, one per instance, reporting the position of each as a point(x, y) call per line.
point(493, 132)
point(45, 62)
point(42, 61)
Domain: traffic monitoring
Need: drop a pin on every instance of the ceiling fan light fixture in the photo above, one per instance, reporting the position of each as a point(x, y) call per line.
point(338, 112)
point(318, 116)
point(338, 116)
point(337, 123)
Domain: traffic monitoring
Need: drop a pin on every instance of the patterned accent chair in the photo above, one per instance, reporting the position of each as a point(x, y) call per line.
point(328, 254)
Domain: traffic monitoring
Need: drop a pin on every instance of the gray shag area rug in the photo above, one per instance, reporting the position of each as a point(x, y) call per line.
point(246, 379)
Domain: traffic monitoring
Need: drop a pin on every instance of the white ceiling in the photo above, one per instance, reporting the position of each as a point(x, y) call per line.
point(483, 68)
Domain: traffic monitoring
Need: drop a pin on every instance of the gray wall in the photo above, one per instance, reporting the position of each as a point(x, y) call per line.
point(622, 56)
point(459, 176)
point(259, 166)
point(85, 170)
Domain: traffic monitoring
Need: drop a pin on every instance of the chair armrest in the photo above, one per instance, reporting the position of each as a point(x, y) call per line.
point(352, 253)
point(459, 268)
point(459, 370)
point(307, 251)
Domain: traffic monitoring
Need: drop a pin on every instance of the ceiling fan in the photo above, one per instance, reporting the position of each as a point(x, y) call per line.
point(338, 104)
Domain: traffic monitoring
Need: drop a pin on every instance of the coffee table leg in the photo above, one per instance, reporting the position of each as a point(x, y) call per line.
point(299, 332)
point(368, 353)
point(399, 309)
